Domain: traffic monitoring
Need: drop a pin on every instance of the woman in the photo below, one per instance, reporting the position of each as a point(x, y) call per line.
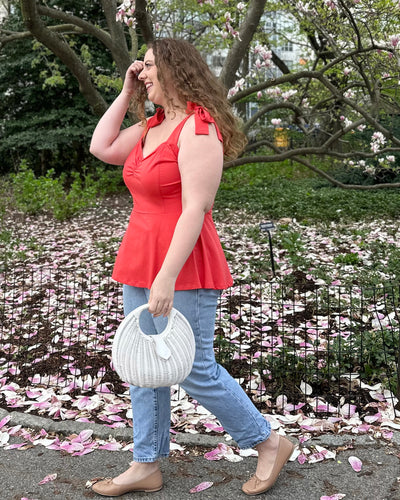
point(171, 254)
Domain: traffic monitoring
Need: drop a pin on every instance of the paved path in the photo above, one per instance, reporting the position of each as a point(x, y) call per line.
point(21, 471)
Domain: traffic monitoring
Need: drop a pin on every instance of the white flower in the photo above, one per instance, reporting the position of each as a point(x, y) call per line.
point(369, 170)
point(127, 4)
point(287, 95)
point(378, 137)
point(394, 40)
point(349, 94)
point(274, 92)
point(305, 103)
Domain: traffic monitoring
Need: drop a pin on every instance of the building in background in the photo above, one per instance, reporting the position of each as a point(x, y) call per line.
point(4, 9)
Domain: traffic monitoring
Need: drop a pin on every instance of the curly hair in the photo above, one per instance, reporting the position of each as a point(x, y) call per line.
point(178, 61)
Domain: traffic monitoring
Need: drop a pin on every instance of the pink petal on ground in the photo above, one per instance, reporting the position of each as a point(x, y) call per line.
point(14, 446)
point(113, 446)
point(363, 428)
point(5, 421)
point(370, 419)
point(316, 457)
point(213, 454)
point(83, 402)
point(348, 410)
point(338, 496)
point(214, 427)
point(48, 478)
point(201, 487)
point(222, 451)
point(116, 418)
point(302, 458)
point(85, 435)
point(355, 463)
point(386, 434)
point(309, 428)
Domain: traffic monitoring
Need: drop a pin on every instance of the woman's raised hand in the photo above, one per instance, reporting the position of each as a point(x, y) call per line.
point(131, 82)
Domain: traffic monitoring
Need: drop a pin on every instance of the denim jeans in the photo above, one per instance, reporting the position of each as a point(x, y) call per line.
point(208, 382)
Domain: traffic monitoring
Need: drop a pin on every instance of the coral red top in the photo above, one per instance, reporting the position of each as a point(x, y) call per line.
point(154, 182)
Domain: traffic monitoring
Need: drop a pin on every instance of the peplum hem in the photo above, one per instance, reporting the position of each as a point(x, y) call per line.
point(206, 267)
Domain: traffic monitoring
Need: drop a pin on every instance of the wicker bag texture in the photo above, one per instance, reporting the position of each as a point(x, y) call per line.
point(153, 360)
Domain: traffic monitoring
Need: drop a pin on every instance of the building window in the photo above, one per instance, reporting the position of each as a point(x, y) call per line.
point(287, 47)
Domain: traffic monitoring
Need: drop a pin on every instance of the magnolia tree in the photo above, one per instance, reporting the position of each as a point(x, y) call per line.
point(335, 103)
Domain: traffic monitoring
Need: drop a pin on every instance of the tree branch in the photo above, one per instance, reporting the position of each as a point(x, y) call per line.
point(21, 35)
point(144, 20)
point(115, 43)
point(241, 44)
point(119, 47)
point(85, 26)
point(64, 52)
point(273, 158)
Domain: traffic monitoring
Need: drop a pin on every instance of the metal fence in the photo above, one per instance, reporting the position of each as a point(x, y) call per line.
point(293, 344)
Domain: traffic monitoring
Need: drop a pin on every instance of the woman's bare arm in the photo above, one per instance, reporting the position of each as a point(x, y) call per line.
point(109, 143)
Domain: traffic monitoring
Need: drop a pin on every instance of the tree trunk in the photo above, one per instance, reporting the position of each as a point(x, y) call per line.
point(61, 49)
point(241, 44)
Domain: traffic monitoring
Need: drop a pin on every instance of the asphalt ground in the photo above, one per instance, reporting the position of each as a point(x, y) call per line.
point(21, 471)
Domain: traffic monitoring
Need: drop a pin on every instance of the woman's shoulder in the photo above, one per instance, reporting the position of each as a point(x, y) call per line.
point(201, 122)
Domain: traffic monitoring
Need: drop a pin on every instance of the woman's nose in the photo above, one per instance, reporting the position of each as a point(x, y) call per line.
point(141, 75)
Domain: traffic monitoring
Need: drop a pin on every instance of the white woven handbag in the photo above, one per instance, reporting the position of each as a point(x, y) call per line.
point(153, 360)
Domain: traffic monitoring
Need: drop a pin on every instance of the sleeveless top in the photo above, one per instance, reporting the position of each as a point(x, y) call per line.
point(154, 182)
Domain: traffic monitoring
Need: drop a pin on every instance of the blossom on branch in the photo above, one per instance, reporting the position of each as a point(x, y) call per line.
point(126, 12)
point(239, 85)
point(377, 140)
point(274, 92)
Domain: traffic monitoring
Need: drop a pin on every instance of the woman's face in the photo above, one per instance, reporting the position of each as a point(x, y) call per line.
point(149, 77)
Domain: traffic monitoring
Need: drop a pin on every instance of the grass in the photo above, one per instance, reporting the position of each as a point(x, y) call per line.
point(278, 191)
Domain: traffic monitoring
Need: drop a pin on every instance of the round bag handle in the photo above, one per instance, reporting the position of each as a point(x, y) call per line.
point(138, 311)
point(161, 347)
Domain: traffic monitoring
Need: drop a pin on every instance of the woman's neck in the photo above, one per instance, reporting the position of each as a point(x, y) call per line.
point(175, 113)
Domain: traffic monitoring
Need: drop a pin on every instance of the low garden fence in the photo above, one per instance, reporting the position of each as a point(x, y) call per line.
point(288, 344)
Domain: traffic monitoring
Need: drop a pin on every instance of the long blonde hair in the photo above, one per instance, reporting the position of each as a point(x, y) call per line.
point(178, 61)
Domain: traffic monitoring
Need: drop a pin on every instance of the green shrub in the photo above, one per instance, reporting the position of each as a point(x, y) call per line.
point(263, 191)
point(62, 196)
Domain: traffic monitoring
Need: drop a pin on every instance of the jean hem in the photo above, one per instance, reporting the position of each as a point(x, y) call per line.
point(150, 459)
point(251, 445)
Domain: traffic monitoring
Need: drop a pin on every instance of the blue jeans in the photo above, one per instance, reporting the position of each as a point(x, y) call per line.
point(208, 382)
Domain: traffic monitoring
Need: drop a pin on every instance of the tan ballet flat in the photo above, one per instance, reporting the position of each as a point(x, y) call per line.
point(108, 488)
point(256, 486)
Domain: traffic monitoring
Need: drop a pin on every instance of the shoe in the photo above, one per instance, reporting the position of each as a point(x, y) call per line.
point(108, 488)
point(255, 486)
